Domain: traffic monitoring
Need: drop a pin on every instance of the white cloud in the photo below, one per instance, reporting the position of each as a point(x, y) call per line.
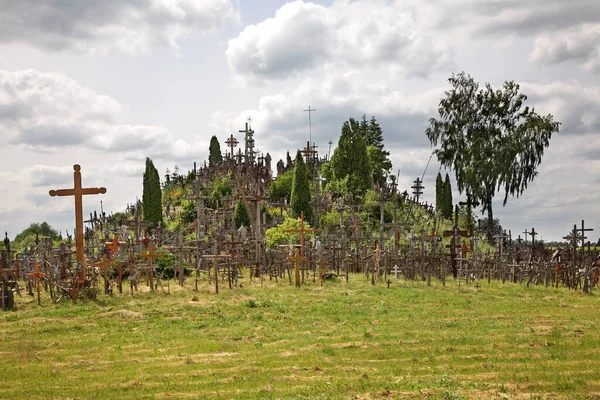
point(130, 26)
point(305, 36)
point(48, 112)
point(581, 44)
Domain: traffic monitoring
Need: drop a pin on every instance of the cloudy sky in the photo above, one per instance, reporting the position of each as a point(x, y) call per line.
point(106, 84)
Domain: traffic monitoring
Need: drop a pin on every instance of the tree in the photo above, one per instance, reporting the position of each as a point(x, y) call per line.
point(151, 195)
point(350, 158)
point(300, 201)
point(281, 188)
point(447, 202)
point(378, 157)
point(240, 216)
point(489, 138)
point(439, 193)
point(214, 152)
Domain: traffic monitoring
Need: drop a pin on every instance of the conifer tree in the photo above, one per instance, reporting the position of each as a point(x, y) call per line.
point(378, 157)
point(300, 189)
point(439, 193)
point(214, 152)
point(151, 195)
point(350, 159)
point(447, 206)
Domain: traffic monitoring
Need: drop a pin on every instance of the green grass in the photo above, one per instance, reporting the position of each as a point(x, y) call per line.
point(339, 341)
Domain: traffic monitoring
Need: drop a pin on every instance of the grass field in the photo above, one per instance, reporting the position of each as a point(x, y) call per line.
point(341, 341)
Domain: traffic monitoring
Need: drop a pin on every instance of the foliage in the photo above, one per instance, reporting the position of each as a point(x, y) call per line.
point(489, 139)
point(165, 265)
point(300, 200)
point(372, 207)
point(221, 187)
point(277, 236)
point(214, 152)
point(41, 229)
point(350, 158)
point(152, 196)
point(188, 212)
point(281, 187)
point(240, 216)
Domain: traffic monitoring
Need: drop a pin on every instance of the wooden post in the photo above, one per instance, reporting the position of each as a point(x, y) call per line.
point(78, 192)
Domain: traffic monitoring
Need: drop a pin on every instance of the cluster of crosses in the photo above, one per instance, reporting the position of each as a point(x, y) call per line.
point(214, 250)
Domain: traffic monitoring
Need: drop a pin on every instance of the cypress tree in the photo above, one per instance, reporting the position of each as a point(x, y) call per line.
point(214, 152)
point(439, 193)
point(447, 206)
point(300, 189)
point(151, 195)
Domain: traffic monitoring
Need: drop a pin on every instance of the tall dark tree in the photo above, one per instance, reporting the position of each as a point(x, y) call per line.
point(151, 195)
point(378, 157)
point(439, 193)
point(350, 159)
point(300, 189)
point(447, 201)
point(489, 138)
point(215, 157)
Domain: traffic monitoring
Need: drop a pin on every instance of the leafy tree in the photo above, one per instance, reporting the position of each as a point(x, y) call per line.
point(240, 216)
point(44, 230)
point(447, 202)
point(439, 193)
point(350, 158)
point(300, 201)
point(281, 188)
point(489, 138)
point(214, 152)
point(152, 195)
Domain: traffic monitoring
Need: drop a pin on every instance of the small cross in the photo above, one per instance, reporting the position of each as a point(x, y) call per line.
point(37, 275)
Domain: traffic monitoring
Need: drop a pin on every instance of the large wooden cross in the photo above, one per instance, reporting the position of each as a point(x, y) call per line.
point(78, 192)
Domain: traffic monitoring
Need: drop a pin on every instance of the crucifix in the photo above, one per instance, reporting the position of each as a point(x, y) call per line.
point(150, 256)
point(37, 275)
point(231, 142)
point(310, 111)
point(113, 246)
point(78, 192)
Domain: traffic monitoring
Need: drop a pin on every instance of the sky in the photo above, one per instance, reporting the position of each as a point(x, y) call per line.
point(107, 84)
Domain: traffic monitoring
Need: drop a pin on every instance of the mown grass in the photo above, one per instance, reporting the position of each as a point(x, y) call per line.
point(339, 341)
